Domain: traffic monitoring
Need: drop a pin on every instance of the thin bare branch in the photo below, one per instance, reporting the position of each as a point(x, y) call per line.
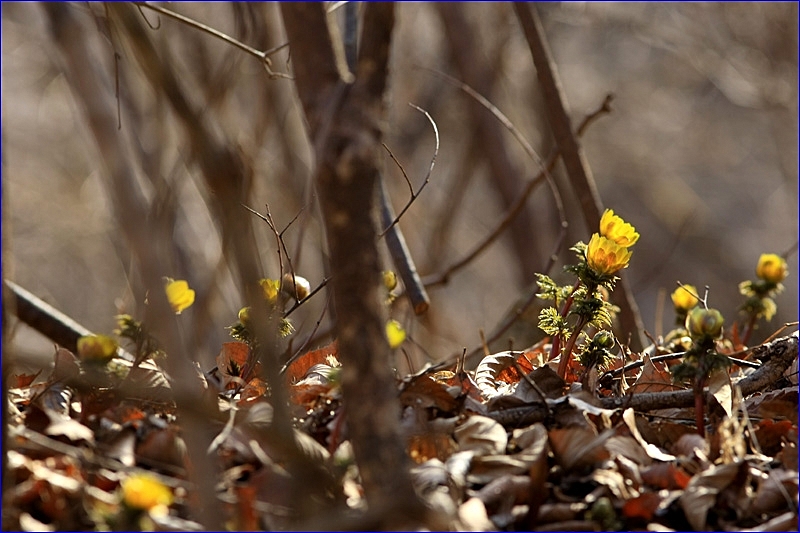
point(262, 56)
point(577, 167)
point(443, 277)
point(400, 166)
point(415, 195)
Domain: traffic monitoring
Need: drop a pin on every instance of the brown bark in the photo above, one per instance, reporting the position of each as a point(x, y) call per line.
point(346, 125)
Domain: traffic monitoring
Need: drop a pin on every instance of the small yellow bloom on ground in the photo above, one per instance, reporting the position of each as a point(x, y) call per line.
point(145, 492)
point(685, 297)
point(395, 333)
point(614, 228)
point(389, 280)
point(605, 257)
point(771, 267)
point(179, 294)
point(96, 348)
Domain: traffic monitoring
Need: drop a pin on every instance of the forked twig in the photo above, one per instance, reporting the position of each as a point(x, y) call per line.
point(262, 56)
point(415, 195)
point(443, 277)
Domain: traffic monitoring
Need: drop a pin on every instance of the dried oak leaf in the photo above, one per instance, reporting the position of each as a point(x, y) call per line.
point(577, 447)
point(424, 392)
point(777, 491)
point(298, 368)
point(482, 435)
point(769, 434)
point(701, 493)
point(642, 507)
point(21, 381)
point(654, 377)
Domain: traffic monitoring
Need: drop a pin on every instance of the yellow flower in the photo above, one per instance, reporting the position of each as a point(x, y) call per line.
point(614, 228)
point(271, 288)
point(771, 267)
point(685, 297)
point(389, 280)
point(96, 348)
point(605, 257)
point(145, 492)
point(704, 322)
point(179, 294)
point(395, 333)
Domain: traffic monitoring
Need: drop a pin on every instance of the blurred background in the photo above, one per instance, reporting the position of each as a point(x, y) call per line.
point(699, 154)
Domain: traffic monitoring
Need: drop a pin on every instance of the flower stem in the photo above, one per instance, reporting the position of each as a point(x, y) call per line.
point(699, 406)
point(751, 325)
point(567, 355)
point(556, 348)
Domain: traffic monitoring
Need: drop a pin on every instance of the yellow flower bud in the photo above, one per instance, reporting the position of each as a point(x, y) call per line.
point(244, 315)
point(684, 298)
point(614, 228)
point(96, 349)
point(395, 333)
point(389, 280)
point(771, 267)
point(145, 492)
point(603, 339)
point(605, 257)
point(179, 294)
point(704, 323)
point(298, 289)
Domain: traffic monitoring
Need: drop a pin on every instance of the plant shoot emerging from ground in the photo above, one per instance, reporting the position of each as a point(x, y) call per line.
point(607, 253)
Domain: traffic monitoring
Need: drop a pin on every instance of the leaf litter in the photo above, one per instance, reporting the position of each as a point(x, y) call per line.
point(579, 465)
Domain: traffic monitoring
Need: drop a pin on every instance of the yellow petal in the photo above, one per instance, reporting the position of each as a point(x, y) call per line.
point(771, 267)
point(96, 348)
point(179, 294)
point(685, 297)
point(614, 228)
point(395, 333)
point(144, 492)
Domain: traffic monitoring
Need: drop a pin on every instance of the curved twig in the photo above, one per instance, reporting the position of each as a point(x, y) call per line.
point(444, 276)
point(415, 195)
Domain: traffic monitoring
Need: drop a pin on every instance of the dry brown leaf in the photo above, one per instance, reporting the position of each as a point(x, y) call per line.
point(231, 360)
point(719, 385)
point(665, 476)
point(486, 468)
point(578, 447)
point(502, 493)
point(701, 493)
point(298, 368)
point(776, 491)
point(423, 392)
point(626, 446)
point(770, 434)
point(473, 517)
point(777, 404)
point(652, 450)
point(654, 377)
point(482, 435)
